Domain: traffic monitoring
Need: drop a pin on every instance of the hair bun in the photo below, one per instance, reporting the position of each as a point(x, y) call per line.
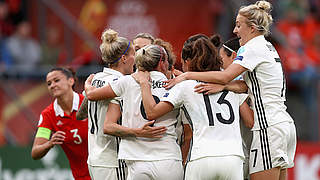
point(109, 36)
point(216, 40)
point(264, 5)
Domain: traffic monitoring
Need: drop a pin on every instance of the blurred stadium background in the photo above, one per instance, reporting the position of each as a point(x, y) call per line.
point(39, 34)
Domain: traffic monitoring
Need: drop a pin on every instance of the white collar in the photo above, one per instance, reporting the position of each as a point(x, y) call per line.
point(112, 71)
point(75, 104)
point(157, 73)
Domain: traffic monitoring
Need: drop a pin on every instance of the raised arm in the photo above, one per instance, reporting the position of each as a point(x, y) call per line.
point(237, 86)
point(94, 93)
point(42, 144)
point(219, 77)
point(83, 110)
point(111, 127)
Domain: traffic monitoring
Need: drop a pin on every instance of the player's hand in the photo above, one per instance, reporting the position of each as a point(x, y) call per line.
point(208, 88)
point(152, 132)
point(176, 72)
point(176, 80)
point(58, 138)
point(89, 79)
point(87, 84)
point(141, 77)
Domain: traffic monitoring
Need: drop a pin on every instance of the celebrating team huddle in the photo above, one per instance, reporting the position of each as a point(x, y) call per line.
point(223, 118)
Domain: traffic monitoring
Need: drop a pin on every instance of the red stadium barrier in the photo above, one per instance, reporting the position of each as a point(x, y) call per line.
point(307, 162)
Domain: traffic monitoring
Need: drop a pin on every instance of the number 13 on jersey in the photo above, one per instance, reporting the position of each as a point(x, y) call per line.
point(220, 101)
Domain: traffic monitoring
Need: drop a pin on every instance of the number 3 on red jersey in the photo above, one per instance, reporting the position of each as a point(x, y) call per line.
point(77, 136)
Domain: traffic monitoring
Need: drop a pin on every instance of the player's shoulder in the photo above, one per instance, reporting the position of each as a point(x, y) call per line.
point(48, 111)
point(186, 85)
point(103, 76)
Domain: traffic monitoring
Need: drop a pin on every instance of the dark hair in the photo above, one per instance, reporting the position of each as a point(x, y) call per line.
point(68, 72)
point(216, 40)
point(187, 45)
point(202, 54)
point(168, 48)
point(232, 43)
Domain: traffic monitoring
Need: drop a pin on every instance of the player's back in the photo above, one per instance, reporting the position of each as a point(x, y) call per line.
point(133, 116)
point(214, 119)
point(102, 148)
point(265, 80)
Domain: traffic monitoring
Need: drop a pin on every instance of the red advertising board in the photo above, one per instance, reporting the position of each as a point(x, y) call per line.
point(307, 162)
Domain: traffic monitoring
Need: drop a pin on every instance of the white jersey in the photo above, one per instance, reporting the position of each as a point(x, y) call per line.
point(265, 80)
point(214, 119)
point(102, 147)
point(133, 116)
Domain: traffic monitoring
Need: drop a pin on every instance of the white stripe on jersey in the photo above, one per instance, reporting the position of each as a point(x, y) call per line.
point(102, 148)
point(214, 119)
point(145, 149)
point(265, 80)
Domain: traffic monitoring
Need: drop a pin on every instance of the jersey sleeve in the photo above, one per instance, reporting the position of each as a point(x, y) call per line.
point(242, 98)
point(116, 100)
point(45, 120)
point(44, 125)
point(247, 58)
point(118, 86)
point(174, 96)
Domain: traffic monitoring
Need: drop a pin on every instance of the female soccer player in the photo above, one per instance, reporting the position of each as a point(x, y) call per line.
point(227, 51)
point(118, 55)
point(58, 124)
point(156, 158)
point(216, 150)
point(274, 134)
point(141, 40)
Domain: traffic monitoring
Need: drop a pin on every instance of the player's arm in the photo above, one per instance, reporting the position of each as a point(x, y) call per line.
point(83, 110)
point(43, 143)
point(186, 142)
point(111, 127)
point(247, 115)
point(152, 109)
point(237, 86)
point(94, 93)
point(219, 77)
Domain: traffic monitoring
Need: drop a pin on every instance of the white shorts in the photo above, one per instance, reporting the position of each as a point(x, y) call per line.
point(108, 173)
point(273, 147)
point(155, 170)
point(218, 167)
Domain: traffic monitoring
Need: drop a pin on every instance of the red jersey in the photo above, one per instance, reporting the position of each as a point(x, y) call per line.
point(76, 142)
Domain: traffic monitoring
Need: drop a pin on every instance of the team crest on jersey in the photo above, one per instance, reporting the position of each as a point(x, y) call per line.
point(241, 50)
point(166, 95)
point(238, 58)
point(59, 123)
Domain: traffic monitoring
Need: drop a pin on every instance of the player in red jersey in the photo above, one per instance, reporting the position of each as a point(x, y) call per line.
point(58, 124)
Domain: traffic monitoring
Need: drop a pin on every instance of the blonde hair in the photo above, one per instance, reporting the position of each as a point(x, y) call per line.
point(145, 36)
point(148, 57)
point(113, 47)
point(258, 15)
